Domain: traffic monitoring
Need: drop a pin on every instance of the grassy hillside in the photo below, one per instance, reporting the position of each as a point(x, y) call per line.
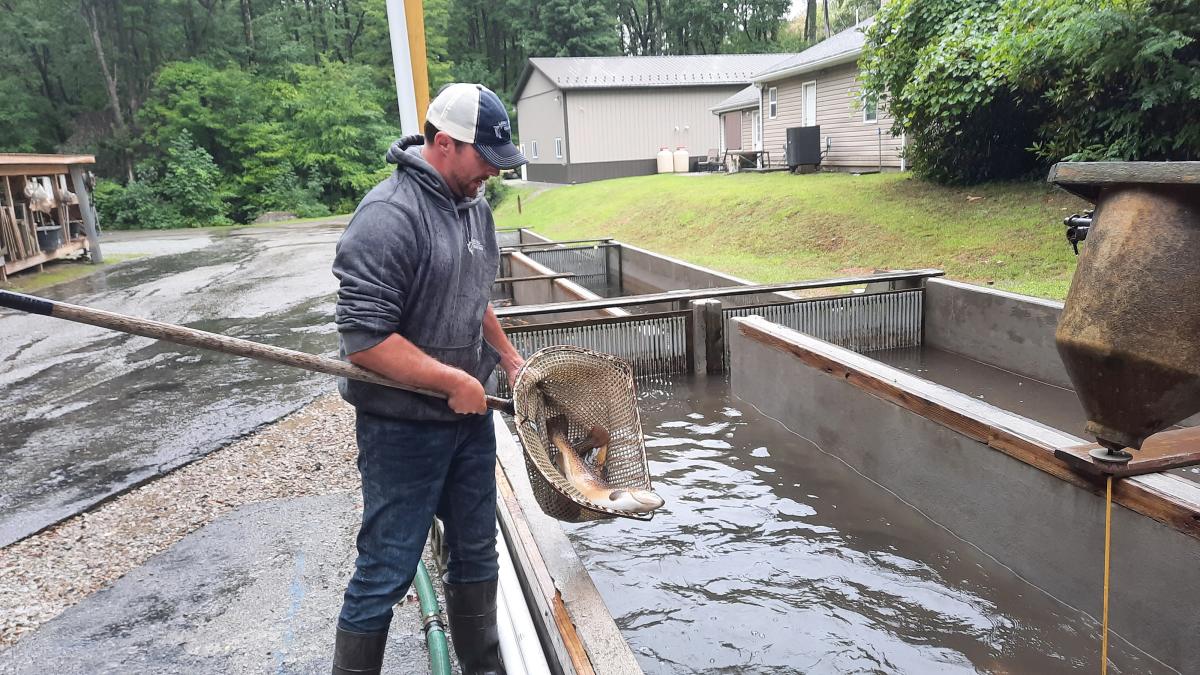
point(780, 227)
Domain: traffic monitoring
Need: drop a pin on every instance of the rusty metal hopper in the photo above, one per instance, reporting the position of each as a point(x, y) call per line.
point(1130, 332)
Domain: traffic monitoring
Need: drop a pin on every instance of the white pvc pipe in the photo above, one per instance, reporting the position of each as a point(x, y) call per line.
point(524, 632)
point(510, 650)
point(406, 93)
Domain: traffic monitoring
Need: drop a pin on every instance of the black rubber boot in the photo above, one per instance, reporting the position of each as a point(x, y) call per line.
point(472, 612)
point(358, 653)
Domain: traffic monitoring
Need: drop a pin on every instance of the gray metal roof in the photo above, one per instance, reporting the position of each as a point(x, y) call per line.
point(840, 48)
point(611, 72)
point(746, 98)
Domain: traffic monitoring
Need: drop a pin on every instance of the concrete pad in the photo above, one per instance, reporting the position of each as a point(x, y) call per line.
point(256, 591)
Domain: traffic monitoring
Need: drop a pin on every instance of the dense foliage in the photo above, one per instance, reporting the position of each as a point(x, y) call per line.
point(201, 111)
point(988, 89)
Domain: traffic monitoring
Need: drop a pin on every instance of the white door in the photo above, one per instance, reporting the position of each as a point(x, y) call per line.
point(810, 104)
point(756, 131)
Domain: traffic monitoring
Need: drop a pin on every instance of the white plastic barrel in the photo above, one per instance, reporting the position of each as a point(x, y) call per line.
point(664, 161)
point(681, 160)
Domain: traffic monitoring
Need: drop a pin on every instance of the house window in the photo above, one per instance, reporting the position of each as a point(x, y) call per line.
point(558, 148)
point(870, 110)
point(772, 102)
point(533, 146)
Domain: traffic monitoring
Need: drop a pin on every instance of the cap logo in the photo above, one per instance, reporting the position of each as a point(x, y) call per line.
point(502, 130)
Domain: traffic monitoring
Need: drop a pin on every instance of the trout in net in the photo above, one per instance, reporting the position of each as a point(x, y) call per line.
point(587, 479)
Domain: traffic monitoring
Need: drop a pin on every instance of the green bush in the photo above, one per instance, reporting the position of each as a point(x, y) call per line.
point(928, 60)
point(495, 190)
point(991, 90)
point(135, 206)
point(190, 183)
point(288, 193)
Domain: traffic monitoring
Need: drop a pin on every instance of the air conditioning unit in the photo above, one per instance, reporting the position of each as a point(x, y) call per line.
point(803, 146)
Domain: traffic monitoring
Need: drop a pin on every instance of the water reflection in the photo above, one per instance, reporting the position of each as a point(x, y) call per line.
point(773, 557)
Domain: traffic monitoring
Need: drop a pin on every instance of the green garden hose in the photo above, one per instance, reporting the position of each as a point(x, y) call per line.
point(431, 616)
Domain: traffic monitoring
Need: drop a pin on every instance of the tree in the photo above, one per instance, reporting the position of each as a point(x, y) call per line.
point(651, 27)
point(642, 32)
point(571, 28)
point(339, 130)
point(437, 44)
point(846, 13)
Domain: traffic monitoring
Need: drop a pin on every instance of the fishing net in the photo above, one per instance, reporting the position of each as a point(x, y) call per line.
point(590, 389)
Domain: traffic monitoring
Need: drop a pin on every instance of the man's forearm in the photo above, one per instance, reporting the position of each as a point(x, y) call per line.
point(398, 359)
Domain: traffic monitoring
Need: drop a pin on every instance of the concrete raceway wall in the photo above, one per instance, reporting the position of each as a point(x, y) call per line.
point(1048, 530)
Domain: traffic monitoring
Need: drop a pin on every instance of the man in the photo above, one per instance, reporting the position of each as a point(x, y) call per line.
point(416, 266)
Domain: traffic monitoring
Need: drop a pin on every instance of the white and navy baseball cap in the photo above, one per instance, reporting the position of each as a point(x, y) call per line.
point(473, 114)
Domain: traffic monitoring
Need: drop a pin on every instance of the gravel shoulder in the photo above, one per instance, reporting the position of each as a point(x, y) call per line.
point(308, 453)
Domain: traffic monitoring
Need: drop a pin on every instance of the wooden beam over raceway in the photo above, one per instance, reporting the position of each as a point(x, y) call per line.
point(990, 477)
point(553, 290)
point(644, 271)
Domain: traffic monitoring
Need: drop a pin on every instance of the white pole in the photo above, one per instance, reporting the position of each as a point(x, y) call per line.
point(524, 634)
point(510, 649)
point(402, 64)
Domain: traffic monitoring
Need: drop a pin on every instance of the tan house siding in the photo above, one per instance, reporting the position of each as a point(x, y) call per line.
point(852, 143)
point(609, 125)
point(540, 118)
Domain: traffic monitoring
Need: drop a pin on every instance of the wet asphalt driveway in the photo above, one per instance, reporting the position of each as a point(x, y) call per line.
point(87, 412)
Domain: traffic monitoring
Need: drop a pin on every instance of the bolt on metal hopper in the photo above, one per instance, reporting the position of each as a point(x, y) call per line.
point(1130, 331)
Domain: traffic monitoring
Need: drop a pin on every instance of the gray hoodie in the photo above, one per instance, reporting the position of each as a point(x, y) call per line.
point(418, 262)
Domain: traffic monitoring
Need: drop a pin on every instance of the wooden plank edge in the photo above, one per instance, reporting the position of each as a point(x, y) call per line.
point(13, 266)
point(1164, 501)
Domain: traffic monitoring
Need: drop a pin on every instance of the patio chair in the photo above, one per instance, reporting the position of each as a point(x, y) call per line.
point(710, 162)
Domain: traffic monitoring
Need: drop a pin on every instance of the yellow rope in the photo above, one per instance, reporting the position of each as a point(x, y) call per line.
point(1107, 548)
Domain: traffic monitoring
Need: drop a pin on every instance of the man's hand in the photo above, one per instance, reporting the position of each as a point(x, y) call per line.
point(467, 396)
point(511, 365)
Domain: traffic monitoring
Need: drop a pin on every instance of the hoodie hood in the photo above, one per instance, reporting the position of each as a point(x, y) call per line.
point(406, 155)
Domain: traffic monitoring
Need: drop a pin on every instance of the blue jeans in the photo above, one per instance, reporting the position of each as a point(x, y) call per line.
point(410, 472)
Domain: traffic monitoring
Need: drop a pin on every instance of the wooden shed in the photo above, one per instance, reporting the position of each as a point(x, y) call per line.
point(45, 210)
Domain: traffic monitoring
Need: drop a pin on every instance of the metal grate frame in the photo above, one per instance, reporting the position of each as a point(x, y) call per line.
point(655, 345)
point(862, 322)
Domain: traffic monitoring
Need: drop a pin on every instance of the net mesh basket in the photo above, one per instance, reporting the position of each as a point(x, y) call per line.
point(588, 388)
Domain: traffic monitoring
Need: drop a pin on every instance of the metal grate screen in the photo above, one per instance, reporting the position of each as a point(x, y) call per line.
point(654, 345)
point(508, 237)
point(588, 264)
point(862, 322)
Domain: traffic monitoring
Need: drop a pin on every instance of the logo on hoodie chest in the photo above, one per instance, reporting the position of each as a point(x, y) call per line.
point(474, 246)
